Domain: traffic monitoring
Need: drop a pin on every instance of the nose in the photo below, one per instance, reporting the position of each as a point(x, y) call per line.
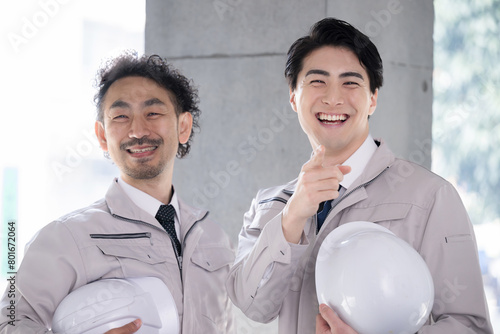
point(333, 96)
point(139, 128)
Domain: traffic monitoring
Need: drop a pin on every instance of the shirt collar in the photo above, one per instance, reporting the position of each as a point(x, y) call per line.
point(147, 202)
point(358, 161)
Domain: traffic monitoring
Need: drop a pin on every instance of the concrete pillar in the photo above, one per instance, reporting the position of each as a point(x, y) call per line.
point(235, 52)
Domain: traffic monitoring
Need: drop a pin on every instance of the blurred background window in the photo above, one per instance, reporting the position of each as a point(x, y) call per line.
point(51, 163)
point(466, 121)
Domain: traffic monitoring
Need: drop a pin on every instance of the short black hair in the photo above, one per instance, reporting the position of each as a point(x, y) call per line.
point(183, 93)
point(337, 33)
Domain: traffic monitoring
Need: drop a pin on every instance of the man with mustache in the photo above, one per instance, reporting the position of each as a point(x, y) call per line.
point(145, 114)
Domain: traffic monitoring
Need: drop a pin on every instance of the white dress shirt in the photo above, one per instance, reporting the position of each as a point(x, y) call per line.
point(358, 161)
point(150, 204)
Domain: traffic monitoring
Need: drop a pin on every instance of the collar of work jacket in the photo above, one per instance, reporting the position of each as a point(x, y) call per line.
point(381, 160)
point(122, 207)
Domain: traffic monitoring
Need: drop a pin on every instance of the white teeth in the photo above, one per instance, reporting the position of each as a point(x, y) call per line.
point(332, 118)
point(142, 150)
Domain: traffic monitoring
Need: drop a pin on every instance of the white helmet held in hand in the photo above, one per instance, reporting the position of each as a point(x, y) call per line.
point(375, 281)
point(111, 303)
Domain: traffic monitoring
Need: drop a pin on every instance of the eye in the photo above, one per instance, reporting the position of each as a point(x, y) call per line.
point(317, 82)
point(154, 114)
point(351, 83)
point(120, 117)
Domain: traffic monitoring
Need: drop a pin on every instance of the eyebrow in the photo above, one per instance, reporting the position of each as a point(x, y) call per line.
point(342, 75)
point(320, 72)
point(147, 103)
point(119, 104)
point(351, 74)
point(152, 102)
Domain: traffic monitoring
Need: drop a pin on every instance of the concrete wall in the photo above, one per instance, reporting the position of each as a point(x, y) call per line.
point(235, 52)
point(250, 138)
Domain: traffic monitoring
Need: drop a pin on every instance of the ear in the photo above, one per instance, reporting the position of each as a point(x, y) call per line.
point(101, 135)
point(293, 103)
point(373, 102)
point(184, 126)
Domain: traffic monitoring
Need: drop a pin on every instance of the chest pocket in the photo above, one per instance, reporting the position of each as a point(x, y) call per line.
point(132, 257)
point(383, 214)
point(397, 217)
point(204, 288)
point(146, 254)
point(136, 246)
point(212, 258)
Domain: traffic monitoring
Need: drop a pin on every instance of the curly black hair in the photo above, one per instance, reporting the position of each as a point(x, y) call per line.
point(184, 94)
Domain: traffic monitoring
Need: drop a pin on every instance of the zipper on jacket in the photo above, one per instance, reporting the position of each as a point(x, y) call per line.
point(185, 237)
point(180, 258)
point(123, 236)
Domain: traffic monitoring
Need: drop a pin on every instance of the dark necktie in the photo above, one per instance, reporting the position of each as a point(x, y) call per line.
point(165, 216)
point(323, 210)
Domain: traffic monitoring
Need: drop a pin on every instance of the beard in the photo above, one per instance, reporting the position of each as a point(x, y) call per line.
point(143, 170)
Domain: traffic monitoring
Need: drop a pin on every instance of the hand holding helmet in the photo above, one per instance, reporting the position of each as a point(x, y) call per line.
point(114, 305)
point(129, 328)
point(373, 280)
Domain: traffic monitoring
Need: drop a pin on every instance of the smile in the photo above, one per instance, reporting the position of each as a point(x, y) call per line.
point(142, 150)
point(327, 118)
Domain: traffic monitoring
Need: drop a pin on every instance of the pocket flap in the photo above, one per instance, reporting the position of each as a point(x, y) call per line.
point(212, 258)
point(381, 212)
point(145, 254)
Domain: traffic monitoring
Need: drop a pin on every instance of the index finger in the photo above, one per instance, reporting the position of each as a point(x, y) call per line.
point(318, 157)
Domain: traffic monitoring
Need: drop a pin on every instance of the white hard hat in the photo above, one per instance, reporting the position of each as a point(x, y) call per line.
point(110, 303)
point(373, 280)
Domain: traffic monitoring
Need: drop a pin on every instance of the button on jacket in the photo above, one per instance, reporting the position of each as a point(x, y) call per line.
point(418, 206)
point(113, 238)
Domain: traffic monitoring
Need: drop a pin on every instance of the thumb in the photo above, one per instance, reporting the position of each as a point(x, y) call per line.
point(334, 321)
point(344, 169)
point(131, 327)
point(328, 314)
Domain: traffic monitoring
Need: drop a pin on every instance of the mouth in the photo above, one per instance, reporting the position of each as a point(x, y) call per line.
point(141, 150)
point(332, 119)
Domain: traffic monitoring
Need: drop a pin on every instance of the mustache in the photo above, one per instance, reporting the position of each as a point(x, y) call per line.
point(141, 141)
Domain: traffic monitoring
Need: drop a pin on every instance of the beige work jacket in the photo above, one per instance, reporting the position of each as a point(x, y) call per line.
point(418, 206)
point(85, 246)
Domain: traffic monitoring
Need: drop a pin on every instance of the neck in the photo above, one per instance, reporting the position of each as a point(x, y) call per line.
point(336, 158)
point(159, 187)
point(339, 156)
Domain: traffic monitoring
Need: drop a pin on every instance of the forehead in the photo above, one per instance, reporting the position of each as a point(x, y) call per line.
point(334, 60)
point(136, 89)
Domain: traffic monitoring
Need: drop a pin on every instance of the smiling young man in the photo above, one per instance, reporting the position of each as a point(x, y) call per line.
point(146, 112)
point(334, 75)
